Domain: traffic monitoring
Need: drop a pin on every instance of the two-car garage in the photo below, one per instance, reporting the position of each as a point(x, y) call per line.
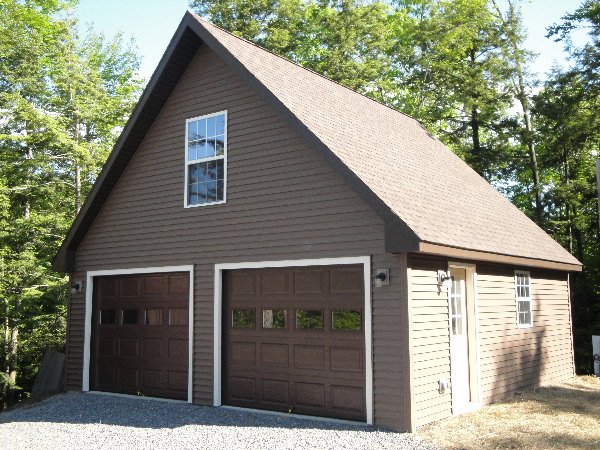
point(292, 339)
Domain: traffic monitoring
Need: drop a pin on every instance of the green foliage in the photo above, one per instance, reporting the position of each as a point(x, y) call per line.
point(455, 77)
point(63, 100)
point(567, 110)
point(348, 41)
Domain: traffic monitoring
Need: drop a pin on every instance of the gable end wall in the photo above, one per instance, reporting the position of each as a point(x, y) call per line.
point(283, 202)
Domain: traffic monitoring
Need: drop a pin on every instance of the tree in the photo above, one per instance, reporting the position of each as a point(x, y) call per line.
point(345, 40)
point(567, 112)
point(516, 55)
point(273, 24)
point(94, 88)
point(587, 58)
point(451, 68)
point(63, 100)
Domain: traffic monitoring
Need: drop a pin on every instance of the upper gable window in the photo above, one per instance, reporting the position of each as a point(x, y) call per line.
point(523, 297)
point(206, 159)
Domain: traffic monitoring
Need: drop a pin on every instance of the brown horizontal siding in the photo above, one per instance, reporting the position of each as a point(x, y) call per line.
point(509, 358)
point(283, 202)
point(512, 358)
point(75, 334)
point(430, 341)
point(389, 345)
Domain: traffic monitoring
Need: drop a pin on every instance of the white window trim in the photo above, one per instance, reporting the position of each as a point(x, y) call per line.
point(87, 335)
point(218, 305)
point(529, 299)
point(187, 162)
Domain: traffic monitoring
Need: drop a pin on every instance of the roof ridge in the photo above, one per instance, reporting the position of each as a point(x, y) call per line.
point(202, 19)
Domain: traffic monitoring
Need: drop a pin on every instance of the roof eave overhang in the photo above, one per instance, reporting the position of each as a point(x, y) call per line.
point(476, 255)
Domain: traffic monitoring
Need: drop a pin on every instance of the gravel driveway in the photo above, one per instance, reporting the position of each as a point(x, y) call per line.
point(75, 420)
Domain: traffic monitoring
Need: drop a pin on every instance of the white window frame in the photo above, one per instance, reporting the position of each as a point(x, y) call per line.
point(523, 299)
point(212, 158)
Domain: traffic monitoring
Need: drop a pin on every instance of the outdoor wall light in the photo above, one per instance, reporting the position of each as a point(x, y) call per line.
point(444, 279)
point(382, 277)
point(76, 287)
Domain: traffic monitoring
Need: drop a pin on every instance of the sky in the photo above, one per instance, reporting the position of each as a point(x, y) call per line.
point(152, 23)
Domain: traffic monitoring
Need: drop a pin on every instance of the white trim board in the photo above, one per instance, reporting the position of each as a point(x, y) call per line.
point(472, 269)
point(218, 306)
point(89, 291)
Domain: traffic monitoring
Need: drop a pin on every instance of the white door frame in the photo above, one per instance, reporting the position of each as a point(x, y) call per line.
point(89, 291)
point(474, 366)
point(218, 306)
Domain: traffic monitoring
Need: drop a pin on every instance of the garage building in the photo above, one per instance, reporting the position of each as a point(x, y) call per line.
point(263, 237)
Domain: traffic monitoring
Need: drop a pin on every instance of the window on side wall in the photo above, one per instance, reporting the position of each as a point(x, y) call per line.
point(206, 160)
point(523, 297)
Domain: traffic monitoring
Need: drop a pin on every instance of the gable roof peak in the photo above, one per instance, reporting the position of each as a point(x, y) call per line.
point(210, 24)
point(427, 196)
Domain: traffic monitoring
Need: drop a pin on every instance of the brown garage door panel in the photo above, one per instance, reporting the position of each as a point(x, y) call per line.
point(293, 340)
point(140, 334)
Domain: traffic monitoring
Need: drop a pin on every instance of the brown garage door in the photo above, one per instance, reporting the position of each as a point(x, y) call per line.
point(140, 335)
point(294, 340)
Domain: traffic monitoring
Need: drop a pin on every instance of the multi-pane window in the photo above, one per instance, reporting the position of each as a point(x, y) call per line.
point(205, 159)
point(523, 295)
point(456, 307)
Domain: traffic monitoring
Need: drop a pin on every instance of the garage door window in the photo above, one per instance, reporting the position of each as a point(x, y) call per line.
point(153, 317)
point(107, 316)
point(274, 318)
point(309, 319)
point(347, 320)
point(129, 316)
point(243, 318)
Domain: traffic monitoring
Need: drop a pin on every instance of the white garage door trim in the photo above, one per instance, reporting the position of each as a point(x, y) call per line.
point(218, 306)
point(89, 290)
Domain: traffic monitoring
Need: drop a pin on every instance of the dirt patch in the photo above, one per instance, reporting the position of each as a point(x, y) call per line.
point(565, 416)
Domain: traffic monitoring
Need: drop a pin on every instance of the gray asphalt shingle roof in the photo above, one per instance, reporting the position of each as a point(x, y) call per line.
point(431, 189)
point(423, 191)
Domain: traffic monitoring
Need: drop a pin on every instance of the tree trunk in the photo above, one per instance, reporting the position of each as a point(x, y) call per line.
point(567, 206)
point(6, 359)
point(77, 188)
point(521, 94)
point(476, 161)
point(13, 354)
point(476, 157)
point(77, 168)
point(537, 188)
